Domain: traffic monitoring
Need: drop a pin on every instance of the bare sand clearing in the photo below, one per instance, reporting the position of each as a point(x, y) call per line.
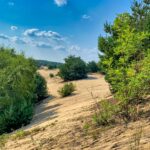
point(72, 107)
point(59, 123)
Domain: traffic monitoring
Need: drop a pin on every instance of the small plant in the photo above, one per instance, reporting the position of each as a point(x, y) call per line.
point(3, 140)
point(105, 114)
point(86, 128)
point(51, 75)
point(20, 134)
point(67, 89)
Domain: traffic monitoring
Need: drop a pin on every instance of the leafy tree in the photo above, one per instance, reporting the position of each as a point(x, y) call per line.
point(125, 53)
point(18, 89)
point(73, 69)
point(92, 67)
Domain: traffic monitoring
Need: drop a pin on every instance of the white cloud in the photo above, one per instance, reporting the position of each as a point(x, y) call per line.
point(60, 3)
point(11, 3)
point(18, 40)
point(4, 37)
point(13, 39)
point(49, 42)
point(45, 39)
point(30, 32)
point(42, 34)
point(13, 28)
point(85, 16)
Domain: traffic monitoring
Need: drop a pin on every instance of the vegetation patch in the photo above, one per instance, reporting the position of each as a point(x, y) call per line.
point(74, 68)
point(20, 88)
point(92, 67)
point(67, 89)
point(105, 114)
point(51, 75)
point(126, 59)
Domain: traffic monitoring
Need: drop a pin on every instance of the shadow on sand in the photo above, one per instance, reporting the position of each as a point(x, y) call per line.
point(44, 112)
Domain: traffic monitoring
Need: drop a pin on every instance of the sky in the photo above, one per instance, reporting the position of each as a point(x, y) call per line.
point(54, 29)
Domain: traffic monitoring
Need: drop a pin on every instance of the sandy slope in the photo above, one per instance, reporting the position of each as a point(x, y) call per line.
point(59, 123)
point(64, 109)
point(60, 115)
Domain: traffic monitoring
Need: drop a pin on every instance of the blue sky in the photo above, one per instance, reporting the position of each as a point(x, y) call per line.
point(54, 29)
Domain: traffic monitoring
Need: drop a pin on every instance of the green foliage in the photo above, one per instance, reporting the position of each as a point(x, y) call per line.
point(92, 67)
point(67, 89)
point(41, 88)
point(125, 56)
point(20, 134)
point(105, 114)
point(17, 90)
point(15, 116)
point(51, 75)
point(73, 69)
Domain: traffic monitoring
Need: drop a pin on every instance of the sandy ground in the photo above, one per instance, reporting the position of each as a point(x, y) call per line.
point(59, 123)
point(63, 109)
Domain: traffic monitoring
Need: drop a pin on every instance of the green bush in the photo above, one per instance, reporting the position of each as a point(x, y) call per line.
point(19, 85)
point(41, 87)
point(92, 67)
point(67, 89)
point(73, 69)
point(15, 116)
point(51, 75)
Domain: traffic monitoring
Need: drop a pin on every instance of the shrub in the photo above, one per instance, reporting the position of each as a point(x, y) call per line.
point(73, 69)
point(15, 116)
point(41, 88)
point(17, 90)
point(51, 75)
point(92, 67)
point(105, 113)
point(67, 89)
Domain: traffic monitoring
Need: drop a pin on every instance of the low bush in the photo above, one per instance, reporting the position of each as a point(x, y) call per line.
point(51, 75)
point(67, 89)
point(105, 113)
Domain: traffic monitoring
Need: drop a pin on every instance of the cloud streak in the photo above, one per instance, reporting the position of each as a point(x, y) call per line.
point(86, 17)
point(4, 37)
point(13, 28)
point(60, 3)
